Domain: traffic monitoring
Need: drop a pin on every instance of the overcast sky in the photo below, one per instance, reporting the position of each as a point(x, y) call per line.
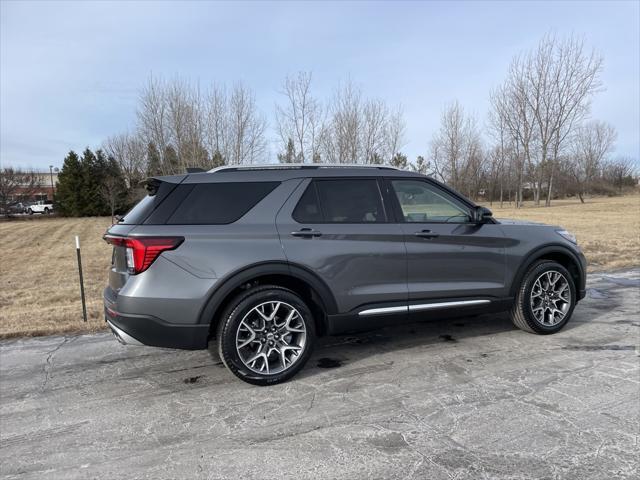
point(70, 72)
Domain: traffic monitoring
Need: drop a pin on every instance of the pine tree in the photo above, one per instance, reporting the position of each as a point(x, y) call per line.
point(68, 190)
point(92, 168)
point(421, 165)
point(154, 166)
point(217, 160)
point(113, 188)
point(171, 164)
point(289, 156)
point(399, 161)
point(375, 159)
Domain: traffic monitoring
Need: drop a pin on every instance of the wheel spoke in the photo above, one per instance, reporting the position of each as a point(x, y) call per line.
point(274, 311)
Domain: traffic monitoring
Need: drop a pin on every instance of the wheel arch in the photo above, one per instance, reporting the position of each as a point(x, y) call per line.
point(305, 283)
point(558, 253)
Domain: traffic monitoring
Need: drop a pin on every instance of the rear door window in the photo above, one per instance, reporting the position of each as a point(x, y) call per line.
point(341, 201)
point(219, 203)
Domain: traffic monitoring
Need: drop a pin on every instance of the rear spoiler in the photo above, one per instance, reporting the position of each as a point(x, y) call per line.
point(151, 184)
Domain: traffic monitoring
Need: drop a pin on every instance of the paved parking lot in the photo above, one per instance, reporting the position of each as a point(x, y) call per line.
point(470, 398)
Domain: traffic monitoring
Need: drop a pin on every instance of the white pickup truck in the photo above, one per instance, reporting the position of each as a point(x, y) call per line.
point(42, 206)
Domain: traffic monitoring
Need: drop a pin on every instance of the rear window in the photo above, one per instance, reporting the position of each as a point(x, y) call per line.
point(144, 207)
point(219, 203)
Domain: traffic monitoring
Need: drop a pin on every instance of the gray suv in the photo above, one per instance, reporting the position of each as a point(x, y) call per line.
point(265, 259)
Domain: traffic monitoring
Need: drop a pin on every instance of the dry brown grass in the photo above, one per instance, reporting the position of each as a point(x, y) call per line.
point(608, 229)
point(39, 291)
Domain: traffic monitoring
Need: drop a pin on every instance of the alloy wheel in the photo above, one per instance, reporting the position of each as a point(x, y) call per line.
point(550, 298)
point(271, 337)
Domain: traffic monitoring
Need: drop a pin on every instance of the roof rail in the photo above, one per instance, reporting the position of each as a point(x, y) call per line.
point(296, 166)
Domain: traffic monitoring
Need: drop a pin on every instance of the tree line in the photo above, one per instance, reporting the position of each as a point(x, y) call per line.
point(537, 142)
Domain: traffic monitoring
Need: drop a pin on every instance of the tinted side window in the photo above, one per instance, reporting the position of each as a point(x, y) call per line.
point(308, 208)
point(350, 201)
point(144, 207)
point(422, 202)
point(219, 203)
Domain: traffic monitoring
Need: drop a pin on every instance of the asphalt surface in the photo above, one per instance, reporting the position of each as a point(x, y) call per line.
point(462, 399)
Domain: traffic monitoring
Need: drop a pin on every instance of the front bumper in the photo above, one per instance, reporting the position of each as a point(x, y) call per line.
point(132, 329)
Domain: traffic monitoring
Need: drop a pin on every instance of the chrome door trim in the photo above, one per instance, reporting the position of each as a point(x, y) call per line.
point(383, 310)
point(422, 306)
point(457, 303)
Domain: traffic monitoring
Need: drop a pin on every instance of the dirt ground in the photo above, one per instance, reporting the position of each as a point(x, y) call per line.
point(39, 293)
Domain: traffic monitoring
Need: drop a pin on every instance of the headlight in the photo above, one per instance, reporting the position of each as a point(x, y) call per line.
point(568, 236)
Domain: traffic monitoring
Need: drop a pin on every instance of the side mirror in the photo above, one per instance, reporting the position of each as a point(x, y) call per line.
point(483, 215)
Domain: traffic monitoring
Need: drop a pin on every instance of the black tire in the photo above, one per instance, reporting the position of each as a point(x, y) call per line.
point(46, 211)
point(30, 212)
point(230, 322)
point(521, 312)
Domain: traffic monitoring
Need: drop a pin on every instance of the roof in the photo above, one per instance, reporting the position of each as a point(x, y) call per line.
point(297, 166)
point(281, 172)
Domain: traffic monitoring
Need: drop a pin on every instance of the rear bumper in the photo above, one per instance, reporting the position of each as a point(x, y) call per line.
point(132, 329)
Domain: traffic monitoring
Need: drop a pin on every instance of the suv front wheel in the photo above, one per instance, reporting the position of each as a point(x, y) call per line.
point(266, 335)
point(546, 299)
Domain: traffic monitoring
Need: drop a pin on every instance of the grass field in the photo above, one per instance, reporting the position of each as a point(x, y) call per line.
point(39, 291)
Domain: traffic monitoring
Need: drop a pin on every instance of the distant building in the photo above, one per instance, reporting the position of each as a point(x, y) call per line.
point(41, 188)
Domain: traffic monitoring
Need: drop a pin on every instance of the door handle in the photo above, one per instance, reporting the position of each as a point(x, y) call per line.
point(306, 233)
point(428, 234)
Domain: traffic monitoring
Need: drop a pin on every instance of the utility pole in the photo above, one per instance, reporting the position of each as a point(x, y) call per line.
point(53, 189)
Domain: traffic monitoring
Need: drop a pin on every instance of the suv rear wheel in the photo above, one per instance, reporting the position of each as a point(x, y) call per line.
point(545, 300)
point(266, 335)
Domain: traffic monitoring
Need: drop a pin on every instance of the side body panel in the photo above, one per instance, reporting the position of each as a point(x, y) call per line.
point(463, 260)
point(178, 284)
point(361, 263)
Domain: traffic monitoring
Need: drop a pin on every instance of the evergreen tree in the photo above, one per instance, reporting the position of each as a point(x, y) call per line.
point(289, 156)
point(375, 159)
point(154, 163)
point(171, 164)
point(399, 161)
point(217, 160)
point(92, 167)
point(113, 188)
point(421, 165)
point(68, 190)
point(90, 185)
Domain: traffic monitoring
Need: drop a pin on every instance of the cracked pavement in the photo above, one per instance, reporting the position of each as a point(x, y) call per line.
point(469, 398)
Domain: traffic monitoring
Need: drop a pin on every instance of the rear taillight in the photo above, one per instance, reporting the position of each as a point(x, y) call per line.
point(142, 251)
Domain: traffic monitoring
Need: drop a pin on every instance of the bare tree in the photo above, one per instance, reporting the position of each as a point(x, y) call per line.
point(621, 172)
point(246, 127)
point(300, 117)
point(112, 188)
point(130, 152)
point(189, 127)
point(512, 111)
point(455, 149)
point(546, 95)
point(590, 145)
point(153, 116)
point(217, 125)
point(16, 182)
point(394, 132)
